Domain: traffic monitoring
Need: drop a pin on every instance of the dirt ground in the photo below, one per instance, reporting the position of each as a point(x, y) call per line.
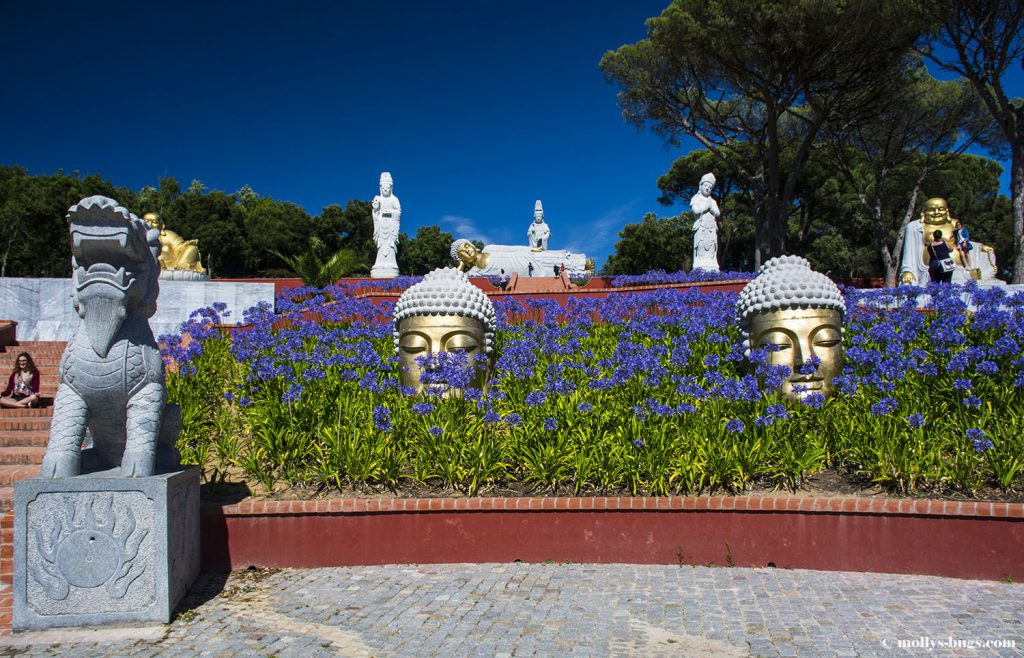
point(826, 484)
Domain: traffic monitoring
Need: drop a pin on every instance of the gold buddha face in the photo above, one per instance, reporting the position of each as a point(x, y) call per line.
point(935, 212)
point(153, 220)
point(467, 253)
point(424, 335)
point(800, 335)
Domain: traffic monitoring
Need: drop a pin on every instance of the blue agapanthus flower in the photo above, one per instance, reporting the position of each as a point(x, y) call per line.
point(535, 398)
point(978, 439)
point(916, 421)
point(382, 418)
point(813, 400)
point(884, 407)
point(423, 408)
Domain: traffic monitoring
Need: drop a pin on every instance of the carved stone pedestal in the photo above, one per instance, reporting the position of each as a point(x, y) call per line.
point(104, 549)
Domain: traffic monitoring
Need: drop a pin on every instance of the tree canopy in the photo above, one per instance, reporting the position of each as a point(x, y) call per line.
point(755, 83)
point(241, 234)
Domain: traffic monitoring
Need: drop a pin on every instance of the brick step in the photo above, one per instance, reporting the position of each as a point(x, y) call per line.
point(22, 455)
point(20, 424)
point(34, 412)
point(11, 474)
point(24, 438)
point(41, 345)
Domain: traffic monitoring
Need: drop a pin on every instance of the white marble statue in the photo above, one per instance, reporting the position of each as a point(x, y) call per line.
point(539, 232)
point(705, 229)
point(387, 213)
point(523, 261)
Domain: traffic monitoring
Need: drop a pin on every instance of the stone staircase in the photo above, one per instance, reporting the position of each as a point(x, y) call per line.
point(23, 434)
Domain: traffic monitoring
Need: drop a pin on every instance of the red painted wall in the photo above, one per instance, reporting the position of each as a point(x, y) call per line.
point(962, 546)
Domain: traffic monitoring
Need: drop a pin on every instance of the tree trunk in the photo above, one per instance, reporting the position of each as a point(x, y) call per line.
point(876, 218)
point(1017, 195)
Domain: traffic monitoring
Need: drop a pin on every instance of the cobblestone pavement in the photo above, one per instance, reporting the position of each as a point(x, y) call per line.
point(561, 609)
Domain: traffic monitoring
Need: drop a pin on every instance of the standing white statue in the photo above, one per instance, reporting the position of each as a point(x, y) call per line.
point(386, 215)
point(539, 232)
point(705, 230)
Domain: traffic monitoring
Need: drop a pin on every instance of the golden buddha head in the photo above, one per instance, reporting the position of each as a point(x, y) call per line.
point(154, 220)
point(444, 331)
point(465, 252)
point(796, 314)
point(935, 212)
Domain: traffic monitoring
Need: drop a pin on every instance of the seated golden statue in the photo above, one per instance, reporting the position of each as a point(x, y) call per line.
point(918, 234)
point(444, 313)
point(176, 253)
point(800, 312)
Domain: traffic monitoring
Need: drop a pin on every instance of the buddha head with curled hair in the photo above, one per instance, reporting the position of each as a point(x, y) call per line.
point(796, 314)
point(441, 315)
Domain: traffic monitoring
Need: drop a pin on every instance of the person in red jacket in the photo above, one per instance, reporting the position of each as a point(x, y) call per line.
point(22, 386)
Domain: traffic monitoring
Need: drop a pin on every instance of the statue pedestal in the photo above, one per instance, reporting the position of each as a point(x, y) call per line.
point(707, 264)
point(383, 272)
point(183, 275)
point(104, 549)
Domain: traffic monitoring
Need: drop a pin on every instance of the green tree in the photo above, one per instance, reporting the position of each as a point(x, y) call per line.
point(218, 222)
point(761, 74)
point(275, 227)
point(924, 124)
point(981, 39)
point(350, 227)
point(653, 244)
point(428, 250)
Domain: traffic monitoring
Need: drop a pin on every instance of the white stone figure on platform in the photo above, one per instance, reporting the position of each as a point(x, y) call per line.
point(387, 213)
point(705, 229)
point(539, 232)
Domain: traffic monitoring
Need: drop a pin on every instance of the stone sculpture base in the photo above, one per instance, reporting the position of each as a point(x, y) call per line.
point(183, 275)
point(383, 272)
point(104, 549)
point(706, 264)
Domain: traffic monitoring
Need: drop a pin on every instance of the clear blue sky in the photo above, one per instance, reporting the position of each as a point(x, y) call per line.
point(477, 108)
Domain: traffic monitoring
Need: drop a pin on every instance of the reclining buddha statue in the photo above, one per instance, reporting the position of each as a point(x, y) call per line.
point(918, 234)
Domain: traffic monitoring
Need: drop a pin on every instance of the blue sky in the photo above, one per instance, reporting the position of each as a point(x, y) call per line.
point(477, 108)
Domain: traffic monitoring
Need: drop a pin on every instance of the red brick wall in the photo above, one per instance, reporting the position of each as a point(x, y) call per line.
point(945, 538)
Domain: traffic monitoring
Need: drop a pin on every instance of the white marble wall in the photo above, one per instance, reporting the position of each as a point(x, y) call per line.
point(42, 307)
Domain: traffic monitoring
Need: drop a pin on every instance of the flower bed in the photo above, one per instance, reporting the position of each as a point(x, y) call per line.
point(660, 277)
point(643, 393)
